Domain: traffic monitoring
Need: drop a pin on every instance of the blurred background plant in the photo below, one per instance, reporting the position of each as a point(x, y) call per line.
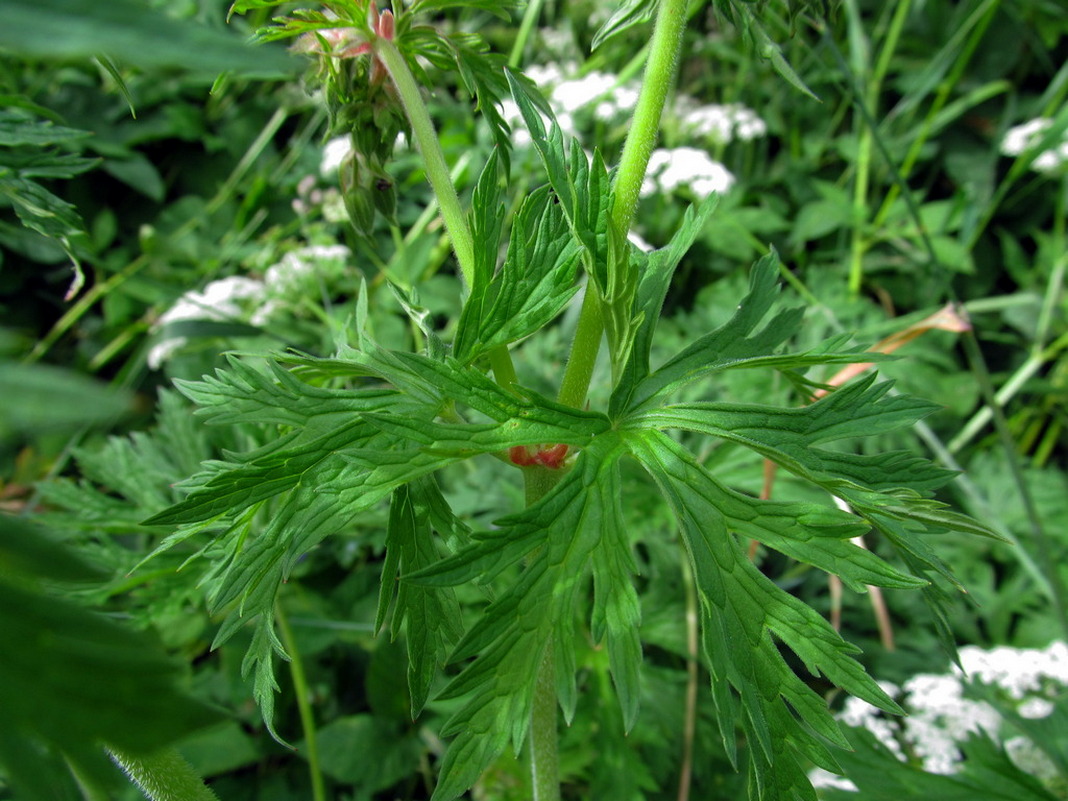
point(154, 216)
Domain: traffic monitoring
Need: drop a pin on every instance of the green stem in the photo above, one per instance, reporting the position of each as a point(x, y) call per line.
point(437, 172)
point(301, 691)
point(164, 776)
point(859, 244)
point(584, 347)
point(658, 81)
point(530, 17)
point(544, 756)
point(426, 140)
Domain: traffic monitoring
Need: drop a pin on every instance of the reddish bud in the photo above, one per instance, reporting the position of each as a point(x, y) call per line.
point(521, 456)
point(552, 457)
point(386, 25)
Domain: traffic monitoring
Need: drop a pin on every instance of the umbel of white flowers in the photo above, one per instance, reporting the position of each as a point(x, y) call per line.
point(940, 716)
point(1029, 135)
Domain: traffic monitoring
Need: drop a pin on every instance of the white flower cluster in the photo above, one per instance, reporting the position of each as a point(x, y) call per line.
point(244, 299)
point(670, 169)
point(1021, 138)
point(599, 91)
point(608, 100)
point(720, 123)
point(940, 716)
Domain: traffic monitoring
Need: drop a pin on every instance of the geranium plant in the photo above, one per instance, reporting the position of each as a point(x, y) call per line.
point(370, 424)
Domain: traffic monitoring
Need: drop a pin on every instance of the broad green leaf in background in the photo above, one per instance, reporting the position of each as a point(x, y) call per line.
point(132, 33)
point(39, 398)
point(73, 680)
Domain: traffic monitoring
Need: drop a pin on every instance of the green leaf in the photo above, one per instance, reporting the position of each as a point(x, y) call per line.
point(42, 211)
point(498, 8)
point(740, 609)
point(43, 398)
point(364, 751)
point(628, 14)
point(813, 534)
point(652, 289)
point(583, 189)
point(789, 436)
point(487, 223)
point(556, 539)
point(432, 615)
point(76, 680)
point(734, 345)
point(20, 128)
point(533, 287)
point(743, 15)
point(131, 33)
point(987, 773)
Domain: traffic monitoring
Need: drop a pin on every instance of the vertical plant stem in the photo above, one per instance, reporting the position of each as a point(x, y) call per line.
point(530, 17)
point(658, 81)
point(544, 754)
point(584, 347)
point(689, 726)
point(301, 691)
point(426, 140)
point(859, 244)
point(437, 172)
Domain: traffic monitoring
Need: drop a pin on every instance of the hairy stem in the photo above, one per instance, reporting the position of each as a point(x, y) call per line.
point(426, 140)
point(163, 776)
point(544, 755)
point(659, 78)
point(584, 347)
point(689, 726)
point(300, 690)
point(657, 83)
point(437, 172)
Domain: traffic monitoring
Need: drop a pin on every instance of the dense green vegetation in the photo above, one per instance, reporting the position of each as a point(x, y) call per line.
point(512, 400)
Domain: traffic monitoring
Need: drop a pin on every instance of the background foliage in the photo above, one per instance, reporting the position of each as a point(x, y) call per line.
point(885, 198)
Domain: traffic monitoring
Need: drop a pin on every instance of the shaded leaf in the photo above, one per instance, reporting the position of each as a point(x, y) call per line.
point(132, 33)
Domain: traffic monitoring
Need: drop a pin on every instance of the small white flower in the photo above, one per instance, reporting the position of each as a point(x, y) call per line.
point(1021, 138)
point(720, 123)
point(642, 245)
point(822, 778)
point(572, 95)
point(1035, 708)
point(217, 301)
point(334, 152)
point(685, 166)
point(286, 278)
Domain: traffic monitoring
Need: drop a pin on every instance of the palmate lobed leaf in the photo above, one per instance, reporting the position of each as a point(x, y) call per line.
point(431, 615)
point(535, 284)
point(557, 537)
point(349, 449)
point(741, 608)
